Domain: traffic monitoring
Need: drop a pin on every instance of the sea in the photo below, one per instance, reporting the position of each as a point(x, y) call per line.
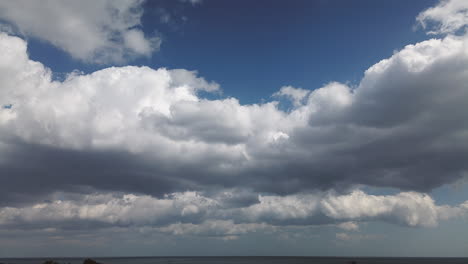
point(242, 260)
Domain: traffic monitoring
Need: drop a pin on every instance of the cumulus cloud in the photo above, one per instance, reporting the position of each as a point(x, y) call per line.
point(449, 16)
point(91, 31)
point(137, 129)
point(197, 214)
point(123, 210)
point(408, 208)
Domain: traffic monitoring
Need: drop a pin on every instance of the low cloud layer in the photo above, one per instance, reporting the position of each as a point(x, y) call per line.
point(91, 31)
point(192, 213)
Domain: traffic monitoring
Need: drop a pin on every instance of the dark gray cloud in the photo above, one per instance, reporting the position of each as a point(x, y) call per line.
point(35, 172)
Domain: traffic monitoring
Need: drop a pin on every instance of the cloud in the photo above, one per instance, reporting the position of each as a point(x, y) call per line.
point(408, 208)
point(405, 208)
point(192, 213)
point(92, 31)
point(343, 236)
point(109, 210)
point(296, 95)
point(164, 154)
point(357, 237)
point(449, 16)
point(224, 229)
point(193, 2)
point(349, 226)
point(128, 128)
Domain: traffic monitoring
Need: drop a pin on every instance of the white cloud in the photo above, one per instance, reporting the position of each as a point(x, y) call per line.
point(343, 236)
point(92, 31)
point(405, 208)
point(296, 95)
point(135, 40)
point(408, 208)
point(349, 226)
point(192, 213)
point(224, 229)
point(283, 208)
point(448, 16)
point(129, 209)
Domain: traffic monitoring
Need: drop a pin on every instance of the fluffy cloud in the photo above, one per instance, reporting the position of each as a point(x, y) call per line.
point(409, 208)
point(92, 31)
point(136, 129)
point(124, 210)
point(296, 95)
point(192, 213)
point(406, 208)
point(449, 16)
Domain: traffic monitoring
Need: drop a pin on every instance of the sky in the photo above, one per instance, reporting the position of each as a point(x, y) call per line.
point(215, 127)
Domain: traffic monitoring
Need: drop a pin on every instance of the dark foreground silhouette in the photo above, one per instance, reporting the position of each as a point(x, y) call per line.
point(86, 261)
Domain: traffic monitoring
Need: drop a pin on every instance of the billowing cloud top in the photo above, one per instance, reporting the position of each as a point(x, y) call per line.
point(165, 156)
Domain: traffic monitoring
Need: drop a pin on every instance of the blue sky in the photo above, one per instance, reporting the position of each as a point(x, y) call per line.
point(244, 45)
point(233, 128)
